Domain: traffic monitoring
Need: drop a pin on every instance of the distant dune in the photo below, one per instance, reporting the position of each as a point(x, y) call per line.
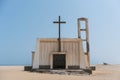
point(103, 72)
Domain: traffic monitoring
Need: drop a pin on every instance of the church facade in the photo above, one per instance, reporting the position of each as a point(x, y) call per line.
point(70, 56)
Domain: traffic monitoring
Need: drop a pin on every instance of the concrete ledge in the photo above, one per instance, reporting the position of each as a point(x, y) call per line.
point(65, 71)
point(27, 68)
point(73, 67)
point(44, 66)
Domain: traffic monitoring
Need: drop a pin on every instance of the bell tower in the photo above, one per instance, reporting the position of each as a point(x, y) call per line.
point(85, 41)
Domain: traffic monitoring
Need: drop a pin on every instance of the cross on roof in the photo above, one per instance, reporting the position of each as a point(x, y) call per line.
point(59, 22)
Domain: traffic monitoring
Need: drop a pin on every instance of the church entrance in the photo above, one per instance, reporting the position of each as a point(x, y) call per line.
point(59, 61)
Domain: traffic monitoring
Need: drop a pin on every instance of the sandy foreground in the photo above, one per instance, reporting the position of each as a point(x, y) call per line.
point(103, 72)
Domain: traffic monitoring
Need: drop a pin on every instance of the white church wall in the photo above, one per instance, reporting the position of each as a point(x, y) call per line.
point(71, 46)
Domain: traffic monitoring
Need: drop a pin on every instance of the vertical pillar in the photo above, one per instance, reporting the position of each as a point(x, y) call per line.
point(87, 43)
point(79, 36)
point(51, 61)
point(36, 60)
point(33, 54)
point(66, 60)
point(79, 29)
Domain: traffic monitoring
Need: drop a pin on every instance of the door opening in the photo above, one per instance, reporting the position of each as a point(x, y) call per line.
point(59, 61)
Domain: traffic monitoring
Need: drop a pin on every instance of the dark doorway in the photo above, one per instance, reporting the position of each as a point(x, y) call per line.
point(59, 61)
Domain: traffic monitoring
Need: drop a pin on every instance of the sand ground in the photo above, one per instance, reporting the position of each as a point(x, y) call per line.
point(103, 72)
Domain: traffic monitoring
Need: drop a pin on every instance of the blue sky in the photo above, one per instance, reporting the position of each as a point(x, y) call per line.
point(22, 21)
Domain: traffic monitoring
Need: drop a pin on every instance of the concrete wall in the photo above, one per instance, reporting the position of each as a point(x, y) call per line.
point(72, 47)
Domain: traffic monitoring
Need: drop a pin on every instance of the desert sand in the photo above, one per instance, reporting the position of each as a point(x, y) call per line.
point(103, 72)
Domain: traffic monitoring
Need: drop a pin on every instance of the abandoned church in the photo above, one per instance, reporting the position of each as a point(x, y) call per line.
point(63, 53)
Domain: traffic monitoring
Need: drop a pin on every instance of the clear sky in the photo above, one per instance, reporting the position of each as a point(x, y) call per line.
point(22, 21)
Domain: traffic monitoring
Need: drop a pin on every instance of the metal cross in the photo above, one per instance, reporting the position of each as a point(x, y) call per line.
point(59, 38)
